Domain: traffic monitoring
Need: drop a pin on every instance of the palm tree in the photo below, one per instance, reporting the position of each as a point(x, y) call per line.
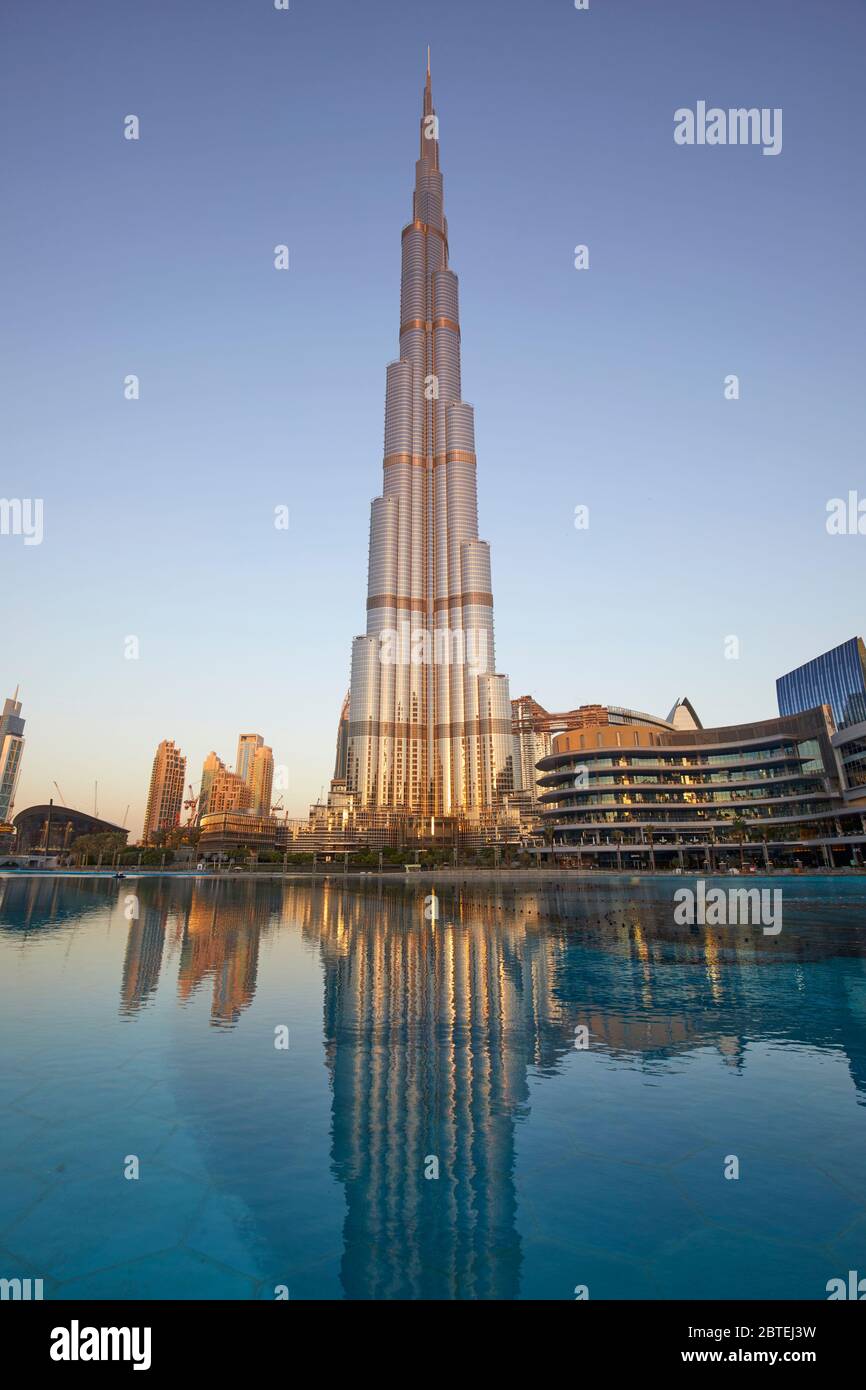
point(738, 826)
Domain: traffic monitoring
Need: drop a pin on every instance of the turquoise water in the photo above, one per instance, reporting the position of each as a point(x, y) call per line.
point(414, 1043)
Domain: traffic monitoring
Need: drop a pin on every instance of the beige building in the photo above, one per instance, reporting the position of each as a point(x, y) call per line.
point(532, 741)
point(165, 796)
point(221, 790)
point(261, 779)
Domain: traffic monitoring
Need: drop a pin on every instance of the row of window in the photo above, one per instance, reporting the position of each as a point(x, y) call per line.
point(626, 797)
point(775, 811)
point(807, 749)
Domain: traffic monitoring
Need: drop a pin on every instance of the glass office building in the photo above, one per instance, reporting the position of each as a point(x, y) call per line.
point(836, 678)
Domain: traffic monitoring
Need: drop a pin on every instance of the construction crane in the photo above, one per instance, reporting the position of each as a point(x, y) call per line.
point(60, 794)
point(191, 805)
point(277, 806)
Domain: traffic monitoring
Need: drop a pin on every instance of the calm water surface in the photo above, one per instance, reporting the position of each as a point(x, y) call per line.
point(413, 1043)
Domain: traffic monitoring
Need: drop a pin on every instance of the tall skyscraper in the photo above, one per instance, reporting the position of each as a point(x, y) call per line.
point(429, 726)
point(11, 749)
point(262, 780)
point(247, 745)
point(165, 797)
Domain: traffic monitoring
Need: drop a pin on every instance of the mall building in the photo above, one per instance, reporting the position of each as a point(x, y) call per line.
point(777, 793)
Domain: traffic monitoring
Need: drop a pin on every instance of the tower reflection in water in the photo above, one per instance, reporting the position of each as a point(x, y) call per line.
point(434, 1028)
point(430, 1027)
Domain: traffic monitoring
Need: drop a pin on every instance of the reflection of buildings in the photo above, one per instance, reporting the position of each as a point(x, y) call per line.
point(498, 983)
point(218, 929)
point(434, 1028)
point(221, 940)
point(143, 960)
point(48, 903)
point(430, 1027)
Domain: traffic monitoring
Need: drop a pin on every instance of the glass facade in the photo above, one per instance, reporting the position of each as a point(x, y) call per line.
point(854, 762)
point(836, 678)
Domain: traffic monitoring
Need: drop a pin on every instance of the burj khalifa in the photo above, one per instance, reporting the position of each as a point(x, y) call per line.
point(429, 719)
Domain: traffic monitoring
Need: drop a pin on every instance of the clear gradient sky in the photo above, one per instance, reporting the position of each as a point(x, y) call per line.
point(258, 388)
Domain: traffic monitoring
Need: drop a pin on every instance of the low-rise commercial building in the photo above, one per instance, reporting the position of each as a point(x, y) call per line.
point(57, 827)
point(223, 831)
point(774, 792)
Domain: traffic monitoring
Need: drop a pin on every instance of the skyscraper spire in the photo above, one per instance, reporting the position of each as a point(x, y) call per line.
point(429, 123)
point(429, 728)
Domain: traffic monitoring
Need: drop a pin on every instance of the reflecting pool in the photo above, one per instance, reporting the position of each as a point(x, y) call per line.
point(340, 1089)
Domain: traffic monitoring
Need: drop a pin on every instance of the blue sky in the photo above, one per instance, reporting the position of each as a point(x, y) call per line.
point(259, 388)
